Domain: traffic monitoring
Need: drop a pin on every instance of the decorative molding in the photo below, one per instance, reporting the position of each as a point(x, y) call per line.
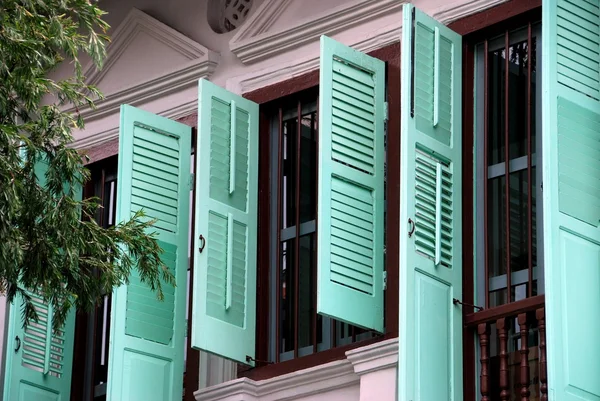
point(374, 357)
point(258, 79)
point(331, 376)
point(101, 137)
point(459, 9)
point(375, 39)
point(304, 383)
point(255, 42)
point(201, 64)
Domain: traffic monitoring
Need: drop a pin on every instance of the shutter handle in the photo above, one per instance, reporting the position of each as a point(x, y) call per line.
point(411, 229)
point(18, 344)
point(202, 243)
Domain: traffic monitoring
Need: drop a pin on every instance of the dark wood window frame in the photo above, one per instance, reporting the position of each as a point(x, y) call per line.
point(475, 28)
point(266, 97)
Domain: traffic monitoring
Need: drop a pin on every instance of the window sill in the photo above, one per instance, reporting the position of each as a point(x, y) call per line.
point(366, 373)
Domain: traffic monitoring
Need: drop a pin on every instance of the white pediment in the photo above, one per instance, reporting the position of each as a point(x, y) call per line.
point(278, 26)
point(146, 60)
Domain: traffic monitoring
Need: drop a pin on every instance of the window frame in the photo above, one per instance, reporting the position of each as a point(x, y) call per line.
point(267, 98)
point(475, 28)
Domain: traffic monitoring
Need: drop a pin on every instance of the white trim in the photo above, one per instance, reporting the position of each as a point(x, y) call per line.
point(319, 379)
point(202, 63)
point(308, 382)
point(255, 42)
point(100, 137)
point(374, 357)
point(375, 39)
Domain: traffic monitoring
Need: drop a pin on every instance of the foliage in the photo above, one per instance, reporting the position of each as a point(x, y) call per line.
point(50, 243)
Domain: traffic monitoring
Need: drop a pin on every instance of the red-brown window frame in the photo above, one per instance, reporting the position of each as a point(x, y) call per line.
point(475, 28)
point(391, 55)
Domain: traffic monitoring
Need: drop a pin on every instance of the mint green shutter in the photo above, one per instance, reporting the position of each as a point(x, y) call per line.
point(147, 335)
point(571, 196)
point(224, 298)
point(430, 333)
point(351, 186)
point(39, 361)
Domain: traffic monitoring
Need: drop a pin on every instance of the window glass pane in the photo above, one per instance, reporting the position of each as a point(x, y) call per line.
point(286, 293)
point(288, 179)
point(306, 292)
point(496, 224)
point(496, 103)
point(308, 168)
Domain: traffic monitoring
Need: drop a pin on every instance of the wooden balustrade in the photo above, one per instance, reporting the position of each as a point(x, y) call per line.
point(503, 388)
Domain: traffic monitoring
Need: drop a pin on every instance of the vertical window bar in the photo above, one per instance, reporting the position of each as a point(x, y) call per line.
point(315, 162)
point(297, 239)
point(507, 162)
point(529, 156)
point(102, 185)
point(485, 171)
point(278, 257)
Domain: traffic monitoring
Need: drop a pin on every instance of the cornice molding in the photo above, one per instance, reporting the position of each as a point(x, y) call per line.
point(376, 39)
point(101, 137)
point(255, 42)
point(201, 64)
point(304, 383)
point(374, 357)
point(316, 380)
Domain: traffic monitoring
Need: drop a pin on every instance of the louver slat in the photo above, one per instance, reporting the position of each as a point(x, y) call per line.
point(425, 205)
point(350, 204)
point(154, 168)
point(578, 46)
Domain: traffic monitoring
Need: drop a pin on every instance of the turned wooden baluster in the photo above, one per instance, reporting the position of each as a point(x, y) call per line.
point(524, 332)
point(540, 315)
point(503, 337)
point(484, 341)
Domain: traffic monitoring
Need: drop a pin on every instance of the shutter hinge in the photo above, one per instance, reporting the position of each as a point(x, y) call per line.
point(385, 280)
point(386, 111)
point(191, 183)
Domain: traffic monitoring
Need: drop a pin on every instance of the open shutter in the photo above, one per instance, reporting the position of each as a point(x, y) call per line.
point(224, 297)
point(571, 196)
point(351, 186)
point(430, 362)
point(39, 361)
point(147, 335)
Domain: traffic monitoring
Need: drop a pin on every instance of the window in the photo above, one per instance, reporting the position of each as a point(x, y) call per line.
point(291, 334)
point(509, 216)
point(296, 328)
point(91, 367)
point(508, 267)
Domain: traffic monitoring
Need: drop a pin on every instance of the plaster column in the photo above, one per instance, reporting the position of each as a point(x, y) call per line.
point(215, 370)
point(377, 367)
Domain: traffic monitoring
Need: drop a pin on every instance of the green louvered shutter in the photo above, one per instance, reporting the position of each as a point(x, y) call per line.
point(571, 195)
point(39, 361)
point(147, 335)
point(224, 309)
point(430, 332)
point(351, 186)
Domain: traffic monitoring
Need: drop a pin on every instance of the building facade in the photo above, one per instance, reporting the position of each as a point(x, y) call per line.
point(360, 200)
